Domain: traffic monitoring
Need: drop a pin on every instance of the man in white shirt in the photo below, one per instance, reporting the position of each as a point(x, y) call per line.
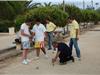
point(38, 32)
point(25, 39)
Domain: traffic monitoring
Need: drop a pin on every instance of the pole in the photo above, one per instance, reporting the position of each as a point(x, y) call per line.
point(83, 4)
point(92, 4)
point(63, 5)
point(64, 11)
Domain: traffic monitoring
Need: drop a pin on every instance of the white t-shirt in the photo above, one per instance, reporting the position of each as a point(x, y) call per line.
point(25, 28)
point(39, 32)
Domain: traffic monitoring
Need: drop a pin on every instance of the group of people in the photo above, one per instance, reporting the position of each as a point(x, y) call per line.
point(64, 51)
point(40, 32)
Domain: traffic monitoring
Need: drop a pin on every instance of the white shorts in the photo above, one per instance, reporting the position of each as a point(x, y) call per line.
point(26, 45)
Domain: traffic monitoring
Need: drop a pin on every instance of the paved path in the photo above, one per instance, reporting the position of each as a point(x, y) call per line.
point(90, 63)
point(6, 41)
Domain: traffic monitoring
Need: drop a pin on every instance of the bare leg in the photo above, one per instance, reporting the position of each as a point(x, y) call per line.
point(38, 52)
point(24, 55)
point(43, 49)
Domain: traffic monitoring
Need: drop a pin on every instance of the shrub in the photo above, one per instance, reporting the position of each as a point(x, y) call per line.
point(89, 15)
point(56, 15)
point(5, 24)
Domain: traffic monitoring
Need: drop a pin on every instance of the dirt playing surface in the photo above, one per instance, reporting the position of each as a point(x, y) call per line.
point(90, 63)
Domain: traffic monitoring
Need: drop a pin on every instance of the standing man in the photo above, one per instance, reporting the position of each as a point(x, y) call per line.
point(39, 32)
point(50, 29)
point(25, 39)
point(74, 35)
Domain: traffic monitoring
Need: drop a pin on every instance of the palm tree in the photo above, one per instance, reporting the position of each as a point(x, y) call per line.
point(34, 5)
point(8, 12)
point(48, 4)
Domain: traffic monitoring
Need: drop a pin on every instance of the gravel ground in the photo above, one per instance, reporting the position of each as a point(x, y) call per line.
point(90, 63)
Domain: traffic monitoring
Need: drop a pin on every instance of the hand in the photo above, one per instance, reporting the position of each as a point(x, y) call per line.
point(77, 38)
point(53, 60)
point(30, 36)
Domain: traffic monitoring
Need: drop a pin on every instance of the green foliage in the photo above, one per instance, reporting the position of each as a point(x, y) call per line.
point(16, 11)
point(8, 12)
point(74, 11)
point(89, 15)
point(5, 24)
point(56, 15)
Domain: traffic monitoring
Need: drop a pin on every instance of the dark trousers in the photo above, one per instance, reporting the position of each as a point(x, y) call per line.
point(64, 58)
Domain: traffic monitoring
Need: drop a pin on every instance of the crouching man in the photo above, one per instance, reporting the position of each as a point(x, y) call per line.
point(63, 52)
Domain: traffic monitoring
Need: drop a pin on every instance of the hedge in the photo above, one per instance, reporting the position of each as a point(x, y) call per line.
point(56, 15)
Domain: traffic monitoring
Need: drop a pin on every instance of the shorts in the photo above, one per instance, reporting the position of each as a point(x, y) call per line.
point(39, 44)
point(26, 45)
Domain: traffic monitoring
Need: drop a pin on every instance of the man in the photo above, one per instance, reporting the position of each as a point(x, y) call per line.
point(39, 32)
point(50, 29)
point(63, 52)
point(74, 35)
point(25, 39)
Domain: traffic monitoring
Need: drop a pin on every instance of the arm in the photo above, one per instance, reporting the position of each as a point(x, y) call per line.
point(22, 33)
point(54, 27)
point(33, 34)
point(33, 31)
point(77, 34)
point(55, 58)
point(77, 30)
point(45, 31)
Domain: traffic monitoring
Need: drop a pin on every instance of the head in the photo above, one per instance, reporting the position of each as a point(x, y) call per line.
point(38, 21)
point(70, 19)
point(55, 44)
point(47, 20)
point(28, 22)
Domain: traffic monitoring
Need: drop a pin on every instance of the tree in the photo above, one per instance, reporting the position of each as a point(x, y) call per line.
point(74, 11)
point(8, 12)
point(48, 4)
point(56, 15)
point(89, 15)
point(34, 5)
point(71, 10)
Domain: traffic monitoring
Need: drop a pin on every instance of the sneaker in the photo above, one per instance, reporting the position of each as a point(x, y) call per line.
point(36, 58)
point(73, 60)
point(28, 60)
point(46, 56)
point(77, 58)
point(24, 62)
point(49, 48)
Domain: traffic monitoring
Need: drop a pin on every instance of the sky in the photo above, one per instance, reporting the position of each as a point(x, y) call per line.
point(65, 0)
point(78, 3)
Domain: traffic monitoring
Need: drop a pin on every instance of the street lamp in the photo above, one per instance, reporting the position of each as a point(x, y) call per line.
point(96, 5)
point(83, 4)
point(92, 4)
point(63, 5)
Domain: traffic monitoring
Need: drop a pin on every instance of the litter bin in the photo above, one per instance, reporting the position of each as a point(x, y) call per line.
point(11, 30)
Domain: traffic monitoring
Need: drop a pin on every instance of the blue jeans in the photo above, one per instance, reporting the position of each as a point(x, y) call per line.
point(50, 39)
point(73, 41)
